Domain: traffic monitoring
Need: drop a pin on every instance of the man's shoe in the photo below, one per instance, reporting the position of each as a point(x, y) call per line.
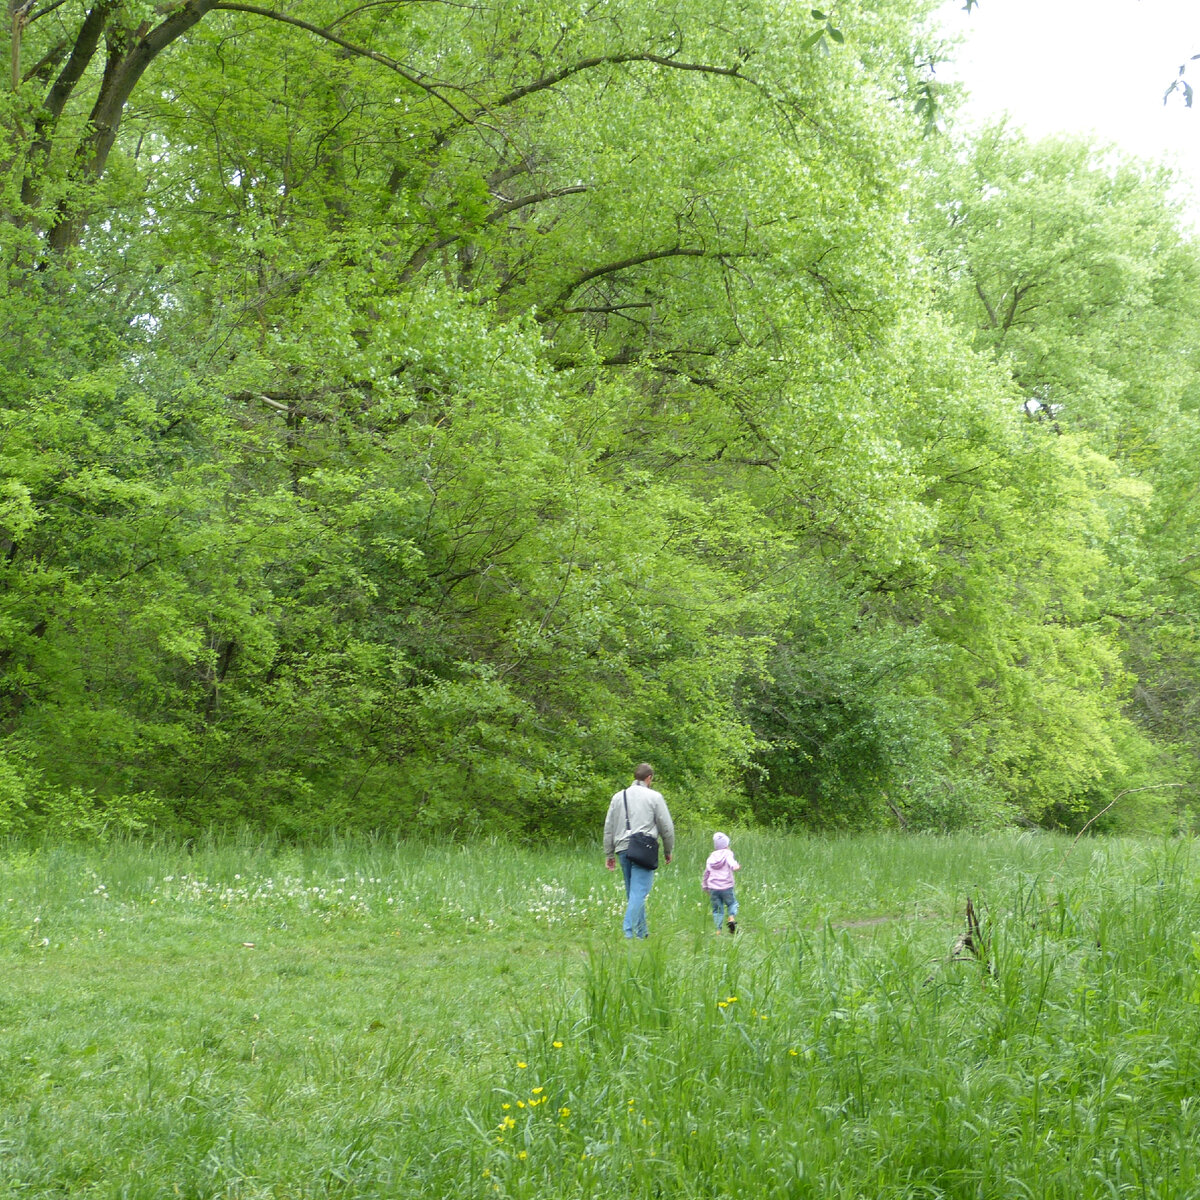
point(732, 925)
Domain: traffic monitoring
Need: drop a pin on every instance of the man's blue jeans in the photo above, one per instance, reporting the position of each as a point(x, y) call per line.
point(638, 882)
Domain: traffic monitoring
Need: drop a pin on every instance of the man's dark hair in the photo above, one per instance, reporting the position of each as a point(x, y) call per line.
point(642, 772)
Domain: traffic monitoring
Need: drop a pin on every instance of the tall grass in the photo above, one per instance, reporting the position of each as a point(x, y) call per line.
point(360, 1019)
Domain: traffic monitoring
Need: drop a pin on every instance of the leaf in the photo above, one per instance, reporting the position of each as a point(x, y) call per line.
point(836, 34)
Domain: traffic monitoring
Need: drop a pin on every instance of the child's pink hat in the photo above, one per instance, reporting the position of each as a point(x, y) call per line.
point(720, 841)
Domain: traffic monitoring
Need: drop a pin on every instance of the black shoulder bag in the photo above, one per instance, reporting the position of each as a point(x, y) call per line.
point(642, 850)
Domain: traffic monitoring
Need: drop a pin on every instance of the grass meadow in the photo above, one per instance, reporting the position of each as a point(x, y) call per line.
point(367, 1019)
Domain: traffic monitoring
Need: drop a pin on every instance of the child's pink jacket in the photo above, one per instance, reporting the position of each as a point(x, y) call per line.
point(718, 871)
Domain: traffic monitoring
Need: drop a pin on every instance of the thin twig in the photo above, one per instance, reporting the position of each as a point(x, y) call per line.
point(1150, 787)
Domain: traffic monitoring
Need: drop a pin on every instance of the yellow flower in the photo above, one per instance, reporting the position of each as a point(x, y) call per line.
point(507, 1105)
point(538, 1091)
point(522, 1065)
point(722, 1003)
point(520, 1103)
point(557, 1045)
point(522, 1154)
point(793, 1053)
point(564, 1112)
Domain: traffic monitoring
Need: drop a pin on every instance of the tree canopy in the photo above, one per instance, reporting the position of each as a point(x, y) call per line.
point(415, 414)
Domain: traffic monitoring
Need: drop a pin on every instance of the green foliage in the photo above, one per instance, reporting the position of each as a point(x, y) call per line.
point(446, 408)
point(14, 794)
point(1071, 268)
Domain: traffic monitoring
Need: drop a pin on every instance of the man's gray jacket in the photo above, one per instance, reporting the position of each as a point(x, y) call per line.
point(647, 814)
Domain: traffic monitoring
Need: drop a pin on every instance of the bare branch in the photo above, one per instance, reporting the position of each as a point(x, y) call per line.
point(991, 312)
point(612, 268)
point(41, 12)
point(1018, 292)
point(511, 206)
point(1151, 787)
point(585, 64)
point(607, 308)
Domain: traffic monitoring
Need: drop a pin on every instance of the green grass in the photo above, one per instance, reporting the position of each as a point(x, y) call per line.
point(388, 1020)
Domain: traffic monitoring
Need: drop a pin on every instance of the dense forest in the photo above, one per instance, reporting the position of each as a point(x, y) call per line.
point(414, 414)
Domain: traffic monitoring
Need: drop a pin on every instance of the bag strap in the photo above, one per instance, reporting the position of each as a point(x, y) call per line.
point(625, 797)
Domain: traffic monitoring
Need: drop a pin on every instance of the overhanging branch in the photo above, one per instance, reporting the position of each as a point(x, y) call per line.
point(360, 51)
point(624, 264)
point(599, 60)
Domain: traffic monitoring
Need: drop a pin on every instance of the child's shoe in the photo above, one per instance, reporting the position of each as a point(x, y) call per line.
point(732, 925)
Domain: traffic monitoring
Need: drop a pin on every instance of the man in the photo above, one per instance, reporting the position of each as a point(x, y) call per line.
point(647, 814)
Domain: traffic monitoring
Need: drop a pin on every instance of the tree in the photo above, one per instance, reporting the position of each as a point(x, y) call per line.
point(1068, 265)
point(431, 389)
point(448, 405)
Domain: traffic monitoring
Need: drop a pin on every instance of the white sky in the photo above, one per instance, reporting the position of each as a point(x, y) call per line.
point(1086, 66)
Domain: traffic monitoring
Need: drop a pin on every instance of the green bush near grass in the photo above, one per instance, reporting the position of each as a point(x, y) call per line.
point(363, 1019)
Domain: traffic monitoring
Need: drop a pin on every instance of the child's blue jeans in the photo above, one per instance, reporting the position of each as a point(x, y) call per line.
point(723, 902)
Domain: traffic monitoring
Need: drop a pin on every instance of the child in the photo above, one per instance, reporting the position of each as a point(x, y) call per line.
point(718, 881)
